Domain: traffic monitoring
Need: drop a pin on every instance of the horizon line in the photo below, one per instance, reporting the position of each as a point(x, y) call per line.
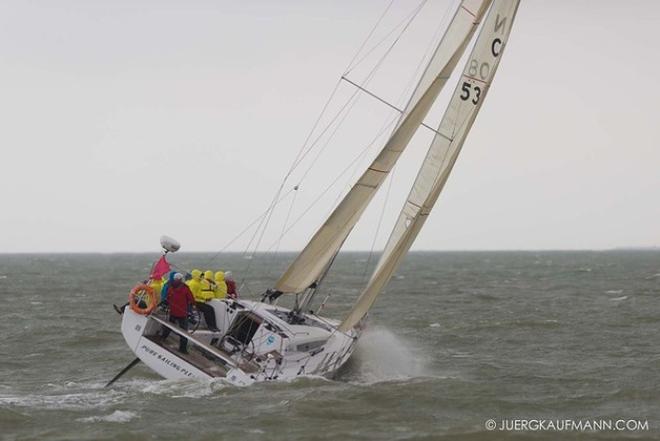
point(471, 250)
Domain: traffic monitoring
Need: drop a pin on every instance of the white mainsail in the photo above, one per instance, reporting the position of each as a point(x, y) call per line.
point(443, 151)
point(315, 258)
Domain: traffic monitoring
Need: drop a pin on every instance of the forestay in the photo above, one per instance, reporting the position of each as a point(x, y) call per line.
point(315, 258)
point(443, 151)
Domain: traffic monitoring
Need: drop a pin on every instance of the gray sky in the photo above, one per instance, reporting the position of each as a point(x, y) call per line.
point(125, 120)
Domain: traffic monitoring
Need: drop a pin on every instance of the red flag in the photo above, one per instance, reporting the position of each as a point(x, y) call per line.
point(161, 267)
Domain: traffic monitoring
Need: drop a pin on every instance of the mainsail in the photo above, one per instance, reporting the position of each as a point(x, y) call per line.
point(443, 151)
point(316, 257)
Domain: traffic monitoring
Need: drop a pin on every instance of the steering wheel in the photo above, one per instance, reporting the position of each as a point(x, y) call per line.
point(246, 353)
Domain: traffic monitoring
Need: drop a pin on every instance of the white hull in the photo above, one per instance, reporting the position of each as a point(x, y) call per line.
point(255, 343)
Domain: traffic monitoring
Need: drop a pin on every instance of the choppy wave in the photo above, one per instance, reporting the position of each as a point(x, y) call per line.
point(180, 388)
point(118, 416)
point(72, 401)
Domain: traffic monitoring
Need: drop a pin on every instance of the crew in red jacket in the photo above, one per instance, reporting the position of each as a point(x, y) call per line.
point(232, 293)
point(179, 298)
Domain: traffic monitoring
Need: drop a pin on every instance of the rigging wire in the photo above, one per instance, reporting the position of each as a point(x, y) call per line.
point(408, 17)
point(373, 29)
point(246, 229)
point(263, 225)
point(380, 222)
point(269, 266)
point(323, 110)
point(403, 94)
point(329, 187)
point(369, 76)
point(299, 158)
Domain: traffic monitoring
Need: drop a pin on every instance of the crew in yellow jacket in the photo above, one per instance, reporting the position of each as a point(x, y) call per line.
point(220, 285)
point(208, 286)
point(201, 293)
point(195, 285)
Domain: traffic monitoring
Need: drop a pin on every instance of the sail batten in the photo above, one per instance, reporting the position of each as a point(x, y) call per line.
point(443, 152)
point(312, 262)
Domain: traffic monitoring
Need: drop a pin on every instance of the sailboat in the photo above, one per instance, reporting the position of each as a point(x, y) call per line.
point(258, 340)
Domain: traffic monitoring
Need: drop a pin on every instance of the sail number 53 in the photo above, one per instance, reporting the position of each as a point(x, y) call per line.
point(466, 92)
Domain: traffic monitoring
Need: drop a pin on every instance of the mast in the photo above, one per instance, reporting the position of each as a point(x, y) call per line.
point(306, 270)
point(454, 127)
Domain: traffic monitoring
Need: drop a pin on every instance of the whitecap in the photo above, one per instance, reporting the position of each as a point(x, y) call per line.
point(462, 355)
point(34, 354)
point(62, 401)
point(183, 388)
point(618, 299)
point(434, 325)
point(118, 416)
point(3, 277)
point(614, 291)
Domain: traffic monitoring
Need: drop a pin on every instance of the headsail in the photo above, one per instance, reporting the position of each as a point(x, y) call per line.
point(445, 147)
point(313, 261)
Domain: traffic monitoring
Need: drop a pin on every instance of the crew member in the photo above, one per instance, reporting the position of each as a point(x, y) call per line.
point(180, 299)
point(208, 286)
point(201, 297)
point(220, 285)
point(232, 293)
point(195, 284)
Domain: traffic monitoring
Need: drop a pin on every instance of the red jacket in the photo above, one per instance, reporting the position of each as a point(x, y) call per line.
point(179, 298)
point(231, 289)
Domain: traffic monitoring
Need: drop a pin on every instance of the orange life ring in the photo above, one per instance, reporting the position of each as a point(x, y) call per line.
point(135, 305)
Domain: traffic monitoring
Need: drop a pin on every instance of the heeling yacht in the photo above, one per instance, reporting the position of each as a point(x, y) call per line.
point(259, 341)
point(256, 341)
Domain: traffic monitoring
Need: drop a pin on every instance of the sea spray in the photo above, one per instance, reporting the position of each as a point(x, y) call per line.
point(382, 355)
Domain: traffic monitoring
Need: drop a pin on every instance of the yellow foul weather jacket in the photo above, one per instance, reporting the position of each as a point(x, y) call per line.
point(195, 285)
point(220, 285)
point(208, 286)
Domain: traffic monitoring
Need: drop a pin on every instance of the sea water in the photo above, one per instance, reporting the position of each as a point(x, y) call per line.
point(458, 339)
